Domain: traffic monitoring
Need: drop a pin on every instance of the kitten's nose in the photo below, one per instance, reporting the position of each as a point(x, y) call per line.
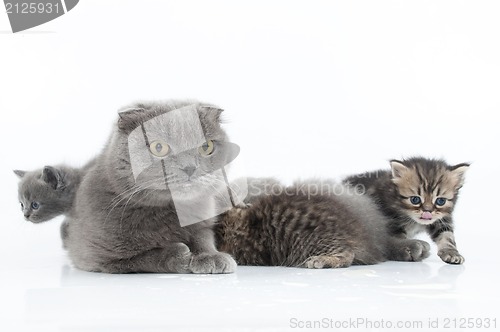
point(427, 208)
point(189, 170)
point(27, 215)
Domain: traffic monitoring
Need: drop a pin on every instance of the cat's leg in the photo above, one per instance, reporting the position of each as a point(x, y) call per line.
point(174, 258)
point(407, 250)
point(442, 233)
point(333, 260)
point(206, 258)
point(447, 248)
point(64, 232)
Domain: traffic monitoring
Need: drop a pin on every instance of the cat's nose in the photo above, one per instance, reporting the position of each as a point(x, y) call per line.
point(189, 170)
point(427, 208)
point(27, 215)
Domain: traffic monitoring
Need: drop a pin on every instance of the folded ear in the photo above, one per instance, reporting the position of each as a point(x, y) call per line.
point(53, 177)
point(212, 113)
point(20, 173)
point(398, 168)
point(458, 173)
point(130, 118)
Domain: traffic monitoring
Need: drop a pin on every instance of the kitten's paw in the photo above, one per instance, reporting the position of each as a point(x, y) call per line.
point(325, 261)
point(418, 250)
point(412, 251)
point(451, 256)
point(218, 262)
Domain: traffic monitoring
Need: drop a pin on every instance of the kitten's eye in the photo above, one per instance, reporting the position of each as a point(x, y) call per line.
point(415, 200)
point(440, 201)
point(35, 205)
point(159, 148)
point(207, 148)
point(22, 206)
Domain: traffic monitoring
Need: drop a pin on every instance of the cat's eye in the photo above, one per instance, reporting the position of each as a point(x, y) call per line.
point(415, 200)
point(440, 201)
point(159, 148)
point(206, 148)
point(22, 207)
point(35, 205)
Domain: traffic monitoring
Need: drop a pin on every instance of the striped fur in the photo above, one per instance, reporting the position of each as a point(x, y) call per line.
point(292, 227)
point(427, 179)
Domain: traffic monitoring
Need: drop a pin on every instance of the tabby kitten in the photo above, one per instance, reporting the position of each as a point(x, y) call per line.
point(417, 195)
point(48, 192)
point(124, 217)
point(293, 226)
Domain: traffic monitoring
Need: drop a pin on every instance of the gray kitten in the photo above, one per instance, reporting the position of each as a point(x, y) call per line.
point(48, 192)
point(124, 217)
point(311, 224)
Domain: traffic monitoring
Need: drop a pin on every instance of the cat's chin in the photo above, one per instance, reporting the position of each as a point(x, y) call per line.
point(424, 222)
point(35, 220)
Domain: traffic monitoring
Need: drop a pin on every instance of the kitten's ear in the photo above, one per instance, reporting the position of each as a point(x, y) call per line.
point(458, 174)
point(130, 118)
point(53, 177)
point(398, 168)
point(20, 173)
point(212, 113)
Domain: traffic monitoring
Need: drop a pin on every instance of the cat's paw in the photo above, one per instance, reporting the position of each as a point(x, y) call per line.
point(418, 250)
point(412, 251)
point(218, 262)
point(325, 261)
point(180, 249)
point(178, 258)
point(451, 256)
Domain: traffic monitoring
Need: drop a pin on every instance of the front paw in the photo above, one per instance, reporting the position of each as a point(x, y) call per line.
point(218, 262)
point(451, 256)
point(412, 251)
point(418, 250)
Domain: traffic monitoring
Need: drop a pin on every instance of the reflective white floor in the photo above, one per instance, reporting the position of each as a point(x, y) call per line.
point(42, 292)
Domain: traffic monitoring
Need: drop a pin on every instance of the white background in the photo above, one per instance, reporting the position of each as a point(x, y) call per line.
point(310, 88)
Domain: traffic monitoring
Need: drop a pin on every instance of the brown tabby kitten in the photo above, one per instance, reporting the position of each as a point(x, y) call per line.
point(418, 194)
point(300, 227)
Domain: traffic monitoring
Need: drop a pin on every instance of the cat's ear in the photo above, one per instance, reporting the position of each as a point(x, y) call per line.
point(52, 176)
point(130, 118)
point(212, 113)
point(20, 173)
point(398, 168)
point(458, 174)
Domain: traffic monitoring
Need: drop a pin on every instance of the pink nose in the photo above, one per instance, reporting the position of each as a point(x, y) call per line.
point(426, 216)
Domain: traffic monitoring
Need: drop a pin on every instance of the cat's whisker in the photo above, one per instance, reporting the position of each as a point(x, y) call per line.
point(131, 189)
point(135, 189)
point(220, 193)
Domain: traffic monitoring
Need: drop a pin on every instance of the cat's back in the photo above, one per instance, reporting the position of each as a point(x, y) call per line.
point(287, 228)
point(369, 182)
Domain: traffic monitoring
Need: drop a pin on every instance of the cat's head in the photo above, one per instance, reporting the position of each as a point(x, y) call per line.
point(428, 188)
point(164, 150)
point(42, 194)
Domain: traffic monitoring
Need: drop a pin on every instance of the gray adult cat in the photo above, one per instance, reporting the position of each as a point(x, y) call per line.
point(120, 225)
point(317, 224)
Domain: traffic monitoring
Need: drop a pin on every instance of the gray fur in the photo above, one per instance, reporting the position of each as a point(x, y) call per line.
point(118, 226)
point(297, 227)
point(53, 189)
